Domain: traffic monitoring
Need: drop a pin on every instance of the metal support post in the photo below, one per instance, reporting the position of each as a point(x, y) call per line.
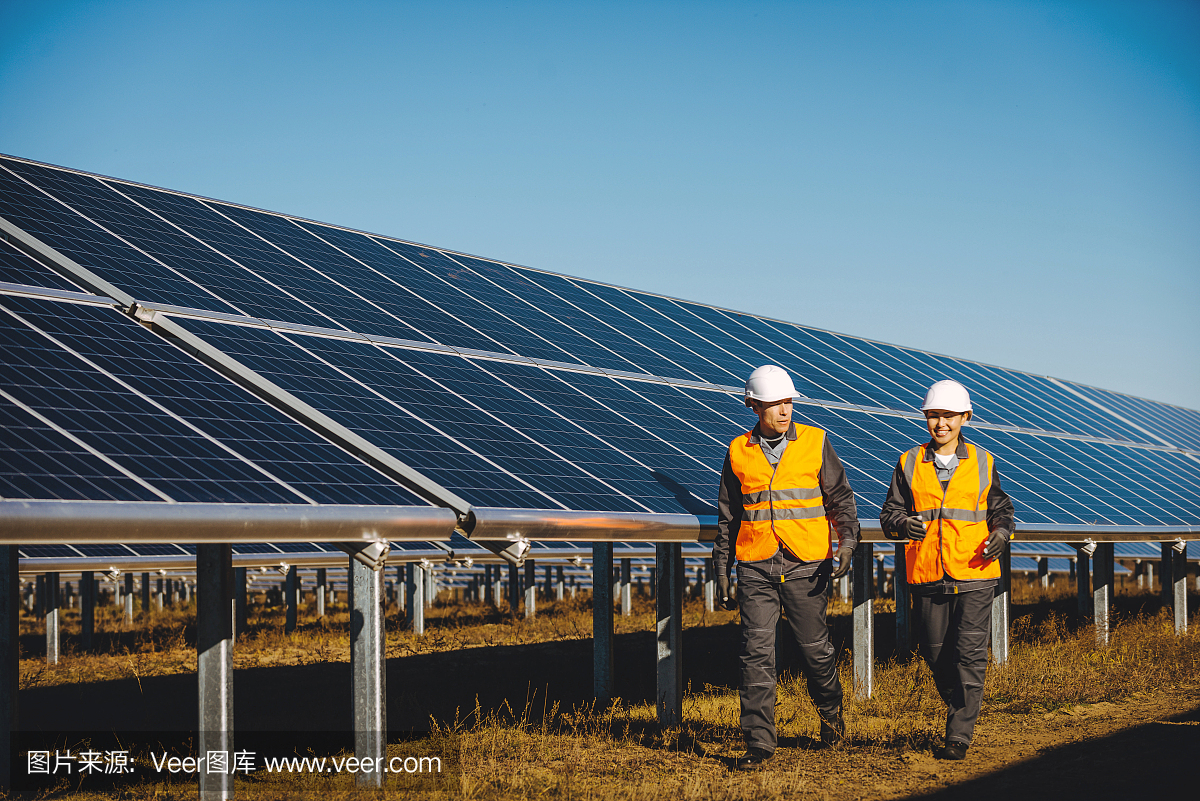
point(497, 586)
point(240, 609)
point(52, 602)
point(1070, 570)
point(514, 589)
point(128, 599)
point(39, 594)
point(602, 622)
point(710, 587)
point(880, 576)
point(558, 584)
point(146, 594)
point(903, 604)
point(1102, 593)
point(1174, 582)
point(1083, 582)
point(864, 620)
point(626, 587)
point(530, 589)
point(1149, 570)
point(430, 586)
point(368, 680)
point(87, 609)
point(414, 585)
point(546, 590)
point(214, 646)
point(669, 629)
point(158, 597)
point(1043, 567)
point(291, 599)
point(10, 650)
point(1002, 609)
point(323, 583)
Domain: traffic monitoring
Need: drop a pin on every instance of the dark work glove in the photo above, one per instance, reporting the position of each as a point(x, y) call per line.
point(914, 527)
point(995, 545)
point(725, 599)
point(842, 557)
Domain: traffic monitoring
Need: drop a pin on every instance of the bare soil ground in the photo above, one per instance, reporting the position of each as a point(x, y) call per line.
point(1064, 719)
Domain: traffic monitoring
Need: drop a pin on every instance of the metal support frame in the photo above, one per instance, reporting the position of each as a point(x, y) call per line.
point(669, 631)
point(10, 649)
point(214, 646)
point(1083, 582)
point(530, 589)
point(1002, 609)
point(51, 617)
point(514, 589)
point(558, 584)
point(1174, 582)
point(903, 604)
point(864, 620)
point(1043, 571)
point(710, 586)
point(87, 609)
point(291, 599)
point(1102, 590)
point(368, 678)
point(626, 587)
point(145, 595)
point(322, 583)
point(497, 586)
point(128, 600)
point(414, 588)
point(602, 622)
point(430, 585)
point(158, 595)
point(241, 609)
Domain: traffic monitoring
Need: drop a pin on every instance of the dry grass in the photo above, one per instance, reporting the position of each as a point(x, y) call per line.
point(537, 749)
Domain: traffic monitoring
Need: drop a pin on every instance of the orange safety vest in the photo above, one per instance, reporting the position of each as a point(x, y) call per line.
point(955, 518)
point(781, 503)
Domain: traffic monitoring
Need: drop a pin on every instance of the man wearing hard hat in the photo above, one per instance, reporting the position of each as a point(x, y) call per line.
point(946, 500)
point(782, 487)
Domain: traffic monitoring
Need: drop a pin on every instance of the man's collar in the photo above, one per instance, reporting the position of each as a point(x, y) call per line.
point(961, 451)
point(755, 436)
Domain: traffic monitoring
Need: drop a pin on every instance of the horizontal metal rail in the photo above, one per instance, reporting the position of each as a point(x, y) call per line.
point(65, 522)
point(549, 525)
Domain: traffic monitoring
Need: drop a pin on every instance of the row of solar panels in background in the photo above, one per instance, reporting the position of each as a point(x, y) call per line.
point(99, 408)
point(174, 249)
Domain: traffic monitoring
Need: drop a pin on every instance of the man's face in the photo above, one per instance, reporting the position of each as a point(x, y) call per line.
point(773, 418)
point(944, 425)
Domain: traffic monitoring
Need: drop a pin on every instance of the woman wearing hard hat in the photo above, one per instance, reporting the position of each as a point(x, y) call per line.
point(946, 500)
point(782, 488)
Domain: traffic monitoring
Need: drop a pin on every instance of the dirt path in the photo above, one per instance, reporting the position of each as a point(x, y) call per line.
point(1146, 744)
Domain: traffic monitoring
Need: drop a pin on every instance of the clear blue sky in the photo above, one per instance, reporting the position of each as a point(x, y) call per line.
point(1017, 183)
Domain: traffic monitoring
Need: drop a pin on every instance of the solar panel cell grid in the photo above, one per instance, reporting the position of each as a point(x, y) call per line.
point(17, 268)
point(386, 424)
point(422, 383)
point(37, 461)
point(224, 411)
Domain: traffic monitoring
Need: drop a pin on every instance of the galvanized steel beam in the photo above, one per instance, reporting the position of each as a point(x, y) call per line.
point(51, 618)
point(1102, 592)
point(87, 610)
point(214, 646)
point(602, 622)
point(903, 604)
point(368, 678)
point(1002, 609)
point(669, 633)
point(864, 620)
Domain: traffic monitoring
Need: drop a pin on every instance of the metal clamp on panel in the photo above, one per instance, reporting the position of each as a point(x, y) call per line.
point(1088, 547)
point(372, 554)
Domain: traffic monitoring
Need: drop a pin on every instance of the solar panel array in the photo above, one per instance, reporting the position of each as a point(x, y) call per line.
point(508, 385)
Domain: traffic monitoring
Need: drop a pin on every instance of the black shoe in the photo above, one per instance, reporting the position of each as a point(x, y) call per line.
point(752, 759)
point(833, 729)
point(953, 750)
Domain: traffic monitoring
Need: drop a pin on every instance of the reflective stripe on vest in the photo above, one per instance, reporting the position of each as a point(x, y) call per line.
point(782, 504)
point(955, 518)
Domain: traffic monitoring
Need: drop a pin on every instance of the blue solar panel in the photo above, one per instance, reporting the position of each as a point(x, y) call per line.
point(501, 433)
point(37, 461)
point(153, 442)
point(17, 268)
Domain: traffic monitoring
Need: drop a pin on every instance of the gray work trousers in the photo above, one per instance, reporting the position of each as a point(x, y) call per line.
point(954, 632)
point(763, 587)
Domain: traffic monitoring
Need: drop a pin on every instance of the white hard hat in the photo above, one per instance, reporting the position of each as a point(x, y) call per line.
point(948, 395)
point(769, 383)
